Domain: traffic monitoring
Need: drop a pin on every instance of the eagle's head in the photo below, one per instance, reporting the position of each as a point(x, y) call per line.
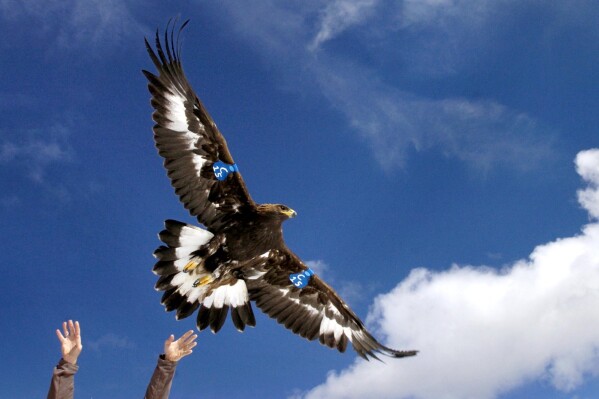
point(278, 211)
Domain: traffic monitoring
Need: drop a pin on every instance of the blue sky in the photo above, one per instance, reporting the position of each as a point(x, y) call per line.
point(428, 147)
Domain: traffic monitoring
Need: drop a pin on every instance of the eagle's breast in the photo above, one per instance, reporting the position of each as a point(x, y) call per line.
point(253, 237)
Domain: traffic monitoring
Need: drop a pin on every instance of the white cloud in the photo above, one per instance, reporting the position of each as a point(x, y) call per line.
point(484, 133)
point(481, 133)
point(352, 292)
point(587, 166)
point(449, 37)
point(483, 332)
point(437, 12)
point(318, 266)
point(74, 23)
point(110, 341)
point(338, 16)
point(278, 30)
point(452, 14)
point(35, 150)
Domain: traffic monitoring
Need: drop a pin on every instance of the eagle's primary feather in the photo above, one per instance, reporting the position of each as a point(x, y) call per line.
point(241, 256)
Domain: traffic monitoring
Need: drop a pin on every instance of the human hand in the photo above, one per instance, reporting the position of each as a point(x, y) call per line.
point(175, 350)
point(70, 342)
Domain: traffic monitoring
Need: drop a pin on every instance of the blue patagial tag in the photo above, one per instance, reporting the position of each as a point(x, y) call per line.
point(222, 170)
point(300, 280)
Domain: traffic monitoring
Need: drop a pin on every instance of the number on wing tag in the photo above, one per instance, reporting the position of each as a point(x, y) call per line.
point(300, 280)
point(222, 170)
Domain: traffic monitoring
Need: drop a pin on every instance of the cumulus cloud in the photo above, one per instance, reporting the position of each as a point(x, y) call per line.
point(587, 166)
point(482, 331)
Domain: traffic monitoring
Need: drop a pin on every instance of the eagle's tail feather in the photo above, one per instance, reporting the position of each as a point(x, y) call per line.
point(230, 293)
point(186, 267)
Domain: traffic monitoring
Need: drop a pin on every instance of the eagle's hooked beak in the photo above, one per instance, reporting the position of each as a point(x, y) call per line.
point(290, 213)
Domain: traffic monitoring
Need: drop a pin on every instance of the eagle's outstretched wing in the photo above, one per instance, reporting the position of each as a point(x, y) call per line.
point(194, 153)
point(190, 143)
point(314, 311)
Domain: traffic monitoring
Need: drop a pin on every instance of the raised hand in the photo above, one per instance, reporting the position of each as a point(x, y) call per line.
point(70, 341)
point(175, 350)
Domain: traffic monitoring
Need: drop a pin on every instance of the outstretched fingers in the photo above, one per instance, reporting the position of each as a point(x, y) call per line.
point(70, 341)
point(187, 339)
point(77, 329)
point(65, 329)
point(175, 350)
point(187, 342)
point(62, 336)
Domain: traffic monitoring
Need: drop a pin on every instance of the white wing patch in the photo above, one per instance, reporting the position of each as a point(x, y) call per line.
point(198, 163)
point(176, 112)
point(230, 295)
point(191, 238)
point(330, 325)
point(185, 282)
point(178, 122)
point(189, 267)
point(257, 272)
point(285, 293)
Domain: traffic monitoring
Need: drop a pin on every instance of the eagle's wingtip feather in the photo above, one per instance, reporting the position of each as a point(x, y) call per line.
point(400, 354)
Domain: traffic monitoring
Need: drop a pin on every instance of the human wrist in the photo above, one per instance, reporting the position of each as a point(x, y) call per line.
point(165, 356)
point(70, 359)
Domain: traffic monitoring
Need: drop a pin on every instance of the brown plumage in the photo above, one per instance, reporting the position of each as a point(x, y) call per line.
point(241, 256)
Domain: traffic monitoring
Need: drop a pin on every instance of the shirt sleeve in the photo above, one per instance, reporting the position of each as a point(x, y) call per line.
point(62, 385)
point(160, 384)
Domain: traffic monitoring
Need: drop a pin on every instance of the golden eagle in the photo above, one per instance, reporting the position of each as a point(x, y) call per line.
point(241, 256)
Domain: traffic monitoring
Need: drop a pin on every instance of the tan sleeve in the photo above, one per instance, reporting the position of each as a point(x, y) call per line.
point(62, 385)
point(160, 384)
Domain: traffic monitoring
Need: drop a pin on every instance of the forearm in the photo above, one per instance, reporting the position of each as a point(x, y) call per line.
point(62, 385)
point(160, 384)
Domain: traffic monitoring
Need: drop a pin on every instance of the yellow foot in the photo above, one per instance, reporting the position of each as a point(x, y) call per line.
point(192, 264)
point(203, 281)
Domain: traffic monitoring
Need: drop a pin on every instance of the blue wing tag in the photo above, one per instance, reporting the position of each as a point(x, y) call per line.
point(300, 280)
point(222, 170)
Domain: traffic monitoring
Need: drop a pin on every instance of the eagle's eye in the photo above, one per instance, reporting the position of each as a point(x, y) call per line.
point(284, 208)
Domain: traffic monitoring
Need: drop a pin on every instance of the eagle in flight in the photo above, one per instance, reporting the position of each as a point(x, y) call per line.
point(241, 255)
